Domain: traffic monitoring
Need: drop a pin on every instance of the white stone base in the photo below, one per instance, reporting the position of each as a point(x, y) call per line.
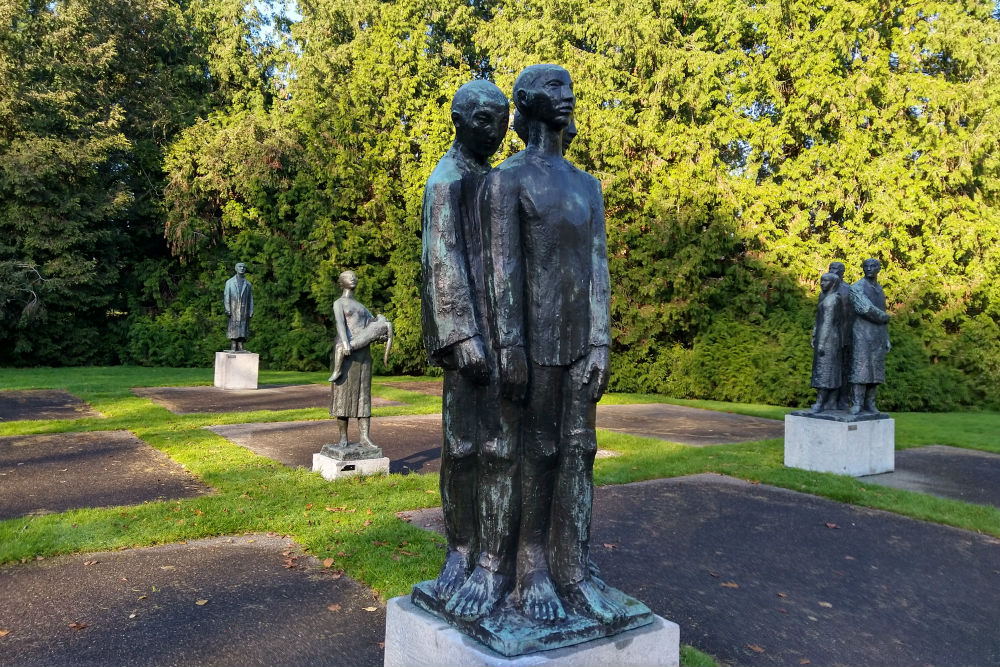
point(845, 448)
point(332, 468)
point(414, 638)
point(236, 370)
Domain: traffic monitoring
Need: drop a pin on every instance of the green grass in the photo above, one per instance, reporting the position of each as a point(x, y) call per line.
point(354, 521)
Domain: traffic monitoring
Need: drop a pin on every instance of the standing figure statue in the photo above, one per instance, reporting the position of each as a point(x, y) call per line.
point(479, 481)
point(238, 302)
point(827, 343)
point(351, 380)
point(870, 338)
point(847, 325)
point(550, 298)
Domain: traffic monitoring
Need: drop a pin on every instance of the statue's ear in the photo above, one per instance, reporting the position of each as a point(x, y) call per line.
point(457, 119)
point(523, 99)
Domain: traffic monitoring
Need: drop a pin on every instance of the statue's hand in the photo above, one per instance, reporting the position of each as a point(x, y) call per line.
point(513, 372)
point(471, 360)
point(346, 347)
point(593, 374)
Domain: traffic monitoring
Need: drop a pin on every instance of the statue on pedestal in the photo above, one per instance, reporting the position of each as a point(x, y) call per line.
point(870, 338)
point(847, 321)
point(351, 379)
point(521, 280)
point(827, 343)
point(237, 298)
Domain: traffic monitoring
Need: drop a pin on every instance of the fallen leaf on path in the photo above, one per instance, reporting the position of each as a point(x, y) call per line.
point(407, 553)
point(826, 604)
point(831, 525)
point(39, 557)
point(327, 562)
point(90, 562)
point(714, 574)
point(782, 595)
point(849, 558)
point(755, 648)
point(334, 607)
point(804, 661)
point(610, 546)
point(201, 603)
point(4, 633)
point(368, 522)
point(729, 584)
point(77, 625)
point(309, 506)
point(371, 608)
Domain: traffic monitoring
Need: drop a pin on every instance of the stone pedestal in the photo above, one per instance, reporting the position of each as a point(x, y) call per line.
point(845, 446)
point(337, 461)
point(415, 638)
point(236, 370)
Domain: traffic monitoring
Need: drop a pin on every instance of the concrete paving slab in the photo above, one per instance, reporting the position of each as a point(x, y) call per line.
point(947, 472)
point(246, 600)
point(190, 400)
point(412, 443)
point(758, 575)
point(40, 474)
point(688, 426)
point(43, 404)
point(422, 386)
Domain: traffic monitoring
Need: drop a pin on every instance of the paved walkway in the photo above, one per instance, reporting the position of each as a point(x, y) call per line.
point(948, 472)
point(43, 404)
point(189, 400)
point(688, 426)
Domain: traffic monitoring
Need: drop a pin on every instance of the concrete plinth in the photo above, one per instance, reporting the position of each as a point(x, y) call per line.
point(331, 468)
point(236, 370)
point(855, 448)
point(415, 638)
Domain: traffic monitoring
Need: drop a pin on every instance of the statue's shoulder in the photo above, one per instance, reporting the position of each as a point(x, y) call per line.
point(446, 174)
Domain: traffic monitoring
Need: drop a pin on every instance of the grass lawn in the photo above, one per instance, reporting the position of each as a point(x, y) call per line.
point(353, 522)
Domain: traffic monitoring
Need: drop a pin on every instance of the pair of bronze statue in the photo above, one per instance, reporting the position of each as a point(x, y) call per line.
point(515, 309)
point(850, 341)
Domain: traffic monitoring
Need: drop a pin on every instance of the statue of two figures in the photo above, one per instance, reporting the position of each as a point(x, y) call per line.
point(850, 340)
point(351, 377)
point(515, 309)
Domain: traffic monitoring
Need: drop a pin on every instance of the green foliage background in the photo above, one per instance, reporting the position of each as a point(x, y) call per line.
point(742, 146)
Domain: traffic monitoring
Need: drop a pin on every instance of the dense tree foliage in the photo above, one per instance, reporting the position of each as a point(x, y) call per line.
point(742, 146)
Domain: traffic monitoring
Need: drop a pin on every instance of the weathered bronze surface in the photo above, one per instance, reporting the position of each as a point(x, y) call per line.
point(237, 298)
point(870, 338)
point(351, 379)
point(827, 338)
point(516, 309)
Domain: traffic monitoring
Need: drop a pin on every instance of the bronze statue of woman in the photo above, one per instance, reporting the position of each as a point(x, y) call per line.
point(351, 380)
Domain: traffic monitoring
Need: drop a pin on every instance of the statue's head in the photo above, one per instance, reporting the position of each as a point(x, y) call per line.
point(545, 93)
point(480, 112)
point(348, 279)
point(838, 268)
point(871, 267)
point(829, 281)
point(241, 268)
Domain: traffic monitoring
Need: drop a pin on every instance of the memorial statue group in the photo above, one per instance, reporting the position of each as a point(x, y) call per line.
point(515, 309)
point(850, 341)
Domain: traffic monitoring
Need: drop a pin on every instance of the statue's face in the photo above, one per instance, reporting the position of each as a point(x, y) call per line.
point(241, 268)
point(482, 125)
point(826, 283)
point(871, 268)
point(348, 280)
point(552, 98)
point(837, 268)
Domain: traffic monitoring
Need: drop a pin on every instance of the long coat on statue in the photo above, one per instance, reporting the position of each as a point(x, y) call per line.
point(870, 333)
point(238, 301)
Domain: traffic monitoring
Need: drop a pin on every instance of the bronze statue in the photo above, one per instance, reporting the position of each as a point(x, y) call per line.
point(847, 321)
point(827, 343)
point(870, 338)
point(237, 298)
point(545, 222)
point(351, 380)
point(479, 489)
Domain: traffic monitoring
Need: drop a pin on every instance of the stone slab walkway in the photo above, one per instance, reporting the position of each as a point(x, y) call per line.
point(412, 443)
point(758, 575)
point(43, 404)
point(246, 600)
point(423, 386)
point(689, 426)
point(190, 400)
point(40, 474)
point(948, 472)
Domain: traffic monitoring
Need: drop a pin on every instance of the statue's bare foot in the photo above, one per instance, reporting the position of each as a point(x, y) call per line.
point(367, 442)
point(588, 598)
point(452, 574)
point(539, 599)
point(479, 595)
point(595, 574)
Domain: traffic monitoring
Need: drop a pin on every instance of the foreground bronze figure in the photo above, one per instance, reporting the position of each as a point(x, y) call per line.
point(237, 298)
point(870, 338)
point(351, 380)
point(828, 334)
point(519, 267)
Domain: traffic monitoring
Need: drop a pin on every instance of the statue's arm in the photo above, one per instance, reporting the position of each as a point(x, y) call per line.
point(600, 300)
point(863, 307)
point(250, 290)
point(226, 296)
point(340, 321)
point(501, 218)
point(447, 294)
